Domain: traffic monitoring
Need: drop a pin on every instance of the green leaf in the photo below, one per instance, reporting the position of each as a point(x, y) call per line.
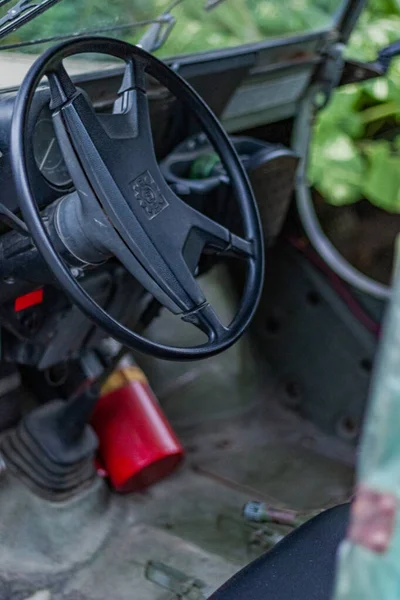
point(342, 114)
point(337, 168)
point(382, 182)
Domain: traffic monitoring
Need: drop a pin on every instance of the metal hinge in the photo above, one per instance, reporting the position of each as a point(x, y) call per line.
point(330, 72)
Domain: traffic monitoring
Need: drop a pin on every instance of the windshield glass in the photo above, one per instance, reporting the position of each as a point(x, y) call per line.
point(229, 23)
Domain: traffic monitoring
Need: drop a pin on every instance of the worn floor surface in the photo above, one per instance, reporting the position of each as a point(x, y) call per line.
point(242, 444)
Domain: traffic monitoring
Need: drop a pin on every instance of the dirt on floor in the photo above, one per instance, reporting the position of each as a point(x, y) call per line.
point(363, 233)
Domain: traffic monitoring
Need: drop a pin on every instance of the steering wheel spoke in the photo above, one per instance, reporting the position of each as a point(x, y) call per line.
point(62, 88)
point(206, 319)
point(219, 239)
point(238, 248)
point(130, 118)
point(131, 115)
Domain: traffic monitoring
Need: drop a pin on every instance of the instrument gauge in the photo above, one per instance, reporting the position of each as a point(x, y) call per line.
point(47, 152)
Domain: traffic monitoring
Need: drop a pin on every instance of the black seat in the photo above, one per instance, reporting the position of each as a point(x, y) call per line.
point(300, 567)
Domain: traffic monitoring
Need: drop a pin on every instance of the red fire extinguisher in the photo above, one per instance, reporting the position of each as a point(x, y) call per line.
point(137, 445)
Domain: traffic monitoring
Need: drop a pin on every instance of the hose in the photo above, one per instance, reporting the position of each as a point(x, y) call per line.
point(308, 216)
point(327, 250)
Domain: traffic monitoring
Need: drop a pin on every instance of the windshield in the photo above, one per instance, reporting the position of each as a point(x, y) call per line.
point(229, 23)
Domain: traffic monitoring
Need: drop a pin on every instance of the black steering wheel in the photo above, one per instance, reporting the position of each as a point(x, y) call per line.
point(123, 207)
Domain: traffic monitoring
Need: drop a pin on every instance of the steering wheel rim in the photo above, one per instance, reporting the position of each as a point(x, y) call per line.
point(44, 65)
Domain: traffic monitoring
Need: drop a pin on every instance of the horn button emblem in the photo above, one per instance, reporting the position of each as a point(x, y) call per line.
point(148, 195)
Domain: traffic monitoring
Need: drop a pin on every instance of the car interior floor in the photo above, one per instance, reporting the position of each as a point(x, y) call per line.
point(242, 444)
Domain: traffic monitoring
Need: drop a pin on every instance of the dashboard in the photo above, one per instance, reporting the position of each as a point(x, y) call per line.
point(227, 81)
point(49, 174)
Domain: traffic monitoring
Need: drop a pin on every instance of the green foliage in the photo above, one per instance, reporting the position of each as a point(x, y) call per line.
point(232, 23)
point(356, 145)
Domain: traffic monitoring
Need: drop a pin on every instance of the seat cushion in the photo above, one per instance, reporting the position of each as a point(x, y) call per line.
point(300, 567)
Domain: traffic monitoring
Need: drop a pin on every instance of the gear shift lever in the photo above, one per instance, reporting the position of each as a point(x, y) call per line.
point(53, 447)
